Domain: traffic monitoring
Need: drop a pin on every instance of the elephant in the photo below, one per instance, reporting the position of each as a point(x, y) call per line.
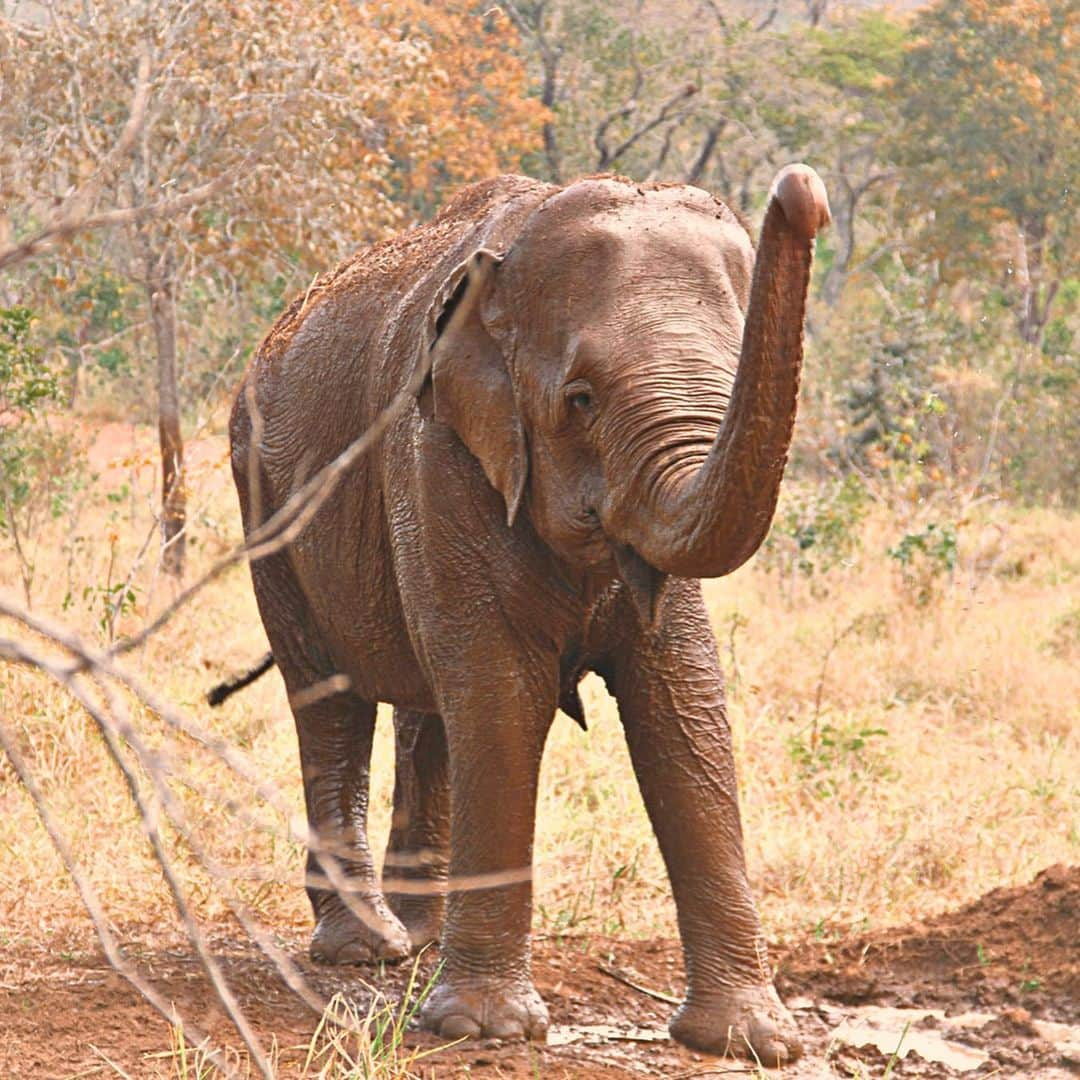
point(602, 382)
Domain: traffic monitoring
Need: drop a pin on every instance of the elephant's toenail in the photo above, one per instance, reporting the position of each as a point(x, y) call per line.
point(353, 953)
point(506, 1029)
point(459, 1027)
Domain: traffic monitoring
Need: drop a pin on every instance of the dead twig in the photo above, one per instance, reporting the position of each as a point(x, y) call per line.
point(284, 526)
point(618, 976)
point(90, 900)
point(149, 813)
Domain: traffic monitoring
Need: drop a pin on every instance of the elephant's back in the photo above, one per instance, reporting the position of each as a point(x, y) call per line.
point(332, 361)
point(346, 345)
point(394, 282)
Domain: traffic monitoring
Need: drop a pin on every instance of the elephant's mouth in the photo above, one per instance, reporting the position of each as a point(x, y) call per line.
point(642, 580)
point(591, 543)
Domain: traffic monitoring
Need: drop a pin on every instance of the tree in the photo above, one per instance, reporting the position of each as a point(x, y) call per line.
point(38, 468)
point(266, 130)
point(989, 96)
point(854, 63)
point(475, 118)
point(683, 91)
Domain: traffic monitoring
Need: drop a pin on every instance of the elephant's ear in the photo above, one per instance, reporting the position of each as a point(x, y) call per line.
point(470, 383)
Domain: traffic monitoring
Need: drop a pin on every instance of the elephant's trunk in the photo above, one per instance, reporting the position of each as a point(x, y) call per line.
point(712, 521)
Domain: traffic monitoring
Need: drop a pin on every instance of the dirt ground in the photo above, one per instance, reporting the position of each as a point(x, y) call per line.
point(992, 989)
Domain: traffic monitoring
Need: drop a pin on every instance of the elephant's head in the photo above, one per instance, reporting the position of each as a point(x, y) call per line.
point(632, 370)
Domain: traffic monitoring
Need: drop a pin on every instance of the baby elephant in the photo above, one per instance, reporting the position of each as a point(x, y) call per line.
point(593, 391)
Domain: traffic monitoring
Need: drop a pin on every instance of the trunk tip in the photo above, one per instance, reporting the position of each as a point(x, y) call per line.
point(803, 199)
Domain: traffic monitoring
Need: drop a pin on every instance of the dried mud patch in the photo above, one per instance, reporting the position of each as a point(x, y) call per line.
point(989, 989)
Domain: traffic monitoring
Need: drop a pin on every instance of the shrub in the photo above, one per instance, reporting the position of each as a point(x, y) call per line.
point(924, 558)
point(816, 529)
point(39, 468)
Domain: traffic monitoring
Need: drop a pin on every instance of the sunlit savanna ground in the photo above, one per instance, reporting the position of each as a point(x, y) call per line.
point(896, 757)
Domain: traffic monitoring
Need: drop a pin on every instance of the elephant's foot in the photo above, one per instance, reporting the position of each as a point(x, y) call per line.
point(749, 1022)
point(422, 916)
point(485, 1008)
point(341, 937)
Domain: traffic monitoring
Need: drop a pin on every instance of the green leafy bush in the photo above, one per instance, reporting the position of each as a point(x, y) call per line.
point(26, 381)
point(39, 468)
point(924, 558)
point(816, 528)
point(833, 760)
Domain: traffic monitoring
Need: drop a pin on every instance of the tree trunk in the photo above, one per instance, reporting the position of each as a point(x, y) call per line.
point(842, 203)
point(697, 170)
point(547, 98)
point(1036, 295)
point(161, 287)
point(74, 362)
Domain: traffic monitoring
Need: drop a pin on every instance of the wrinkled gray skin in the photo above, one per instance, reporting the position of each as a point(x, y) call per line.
point(582, 451)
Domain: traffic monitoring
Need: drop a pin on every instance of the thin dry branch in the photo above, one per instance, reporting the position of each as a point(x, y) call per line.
point(289, 522)
point(157, 767)
point(75, 212)
point(619, 976)
point(70, 219)
point(111, 947)
point(150, 817)
point(88, 659)
point(668, 112)
point(117, 731)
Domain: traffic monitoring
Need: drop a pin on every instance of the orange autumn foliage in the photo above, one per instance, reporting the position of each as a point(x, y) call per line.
point(476, 114)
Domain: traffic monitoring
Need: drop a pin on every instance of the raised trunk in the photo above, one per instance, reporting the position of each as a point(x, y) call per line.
point(173, 493)
point(716, 519)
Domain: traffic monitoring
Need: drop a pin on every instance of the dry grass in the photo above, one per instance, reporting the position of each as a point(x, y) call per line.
point(946, 750)
point(896, 757)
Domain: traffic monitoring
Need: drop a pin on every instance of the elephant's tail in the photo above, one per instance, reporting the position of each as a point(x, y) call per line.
point(225, 690)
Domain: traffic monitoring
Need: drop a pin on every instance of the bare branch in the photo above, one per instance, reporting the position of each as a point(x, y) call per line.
point(74, 214)
point(149, 815)
point(708, 145)
point(294, 516)
point(767, 21)
point(88, 659)
point(89, 897)
point(664, 113)
point(72, 218)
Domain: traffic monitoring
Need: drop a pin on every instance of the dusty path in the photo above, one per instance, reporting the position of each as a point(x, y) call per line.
point(1000, 978)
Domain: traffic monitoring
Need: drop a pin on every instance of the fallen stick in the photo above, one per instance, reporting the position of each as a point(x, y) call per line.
point(618, 976)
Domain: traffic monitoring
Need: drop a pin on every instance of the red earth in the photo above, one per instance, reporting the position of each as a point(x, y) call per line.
point(992, 989)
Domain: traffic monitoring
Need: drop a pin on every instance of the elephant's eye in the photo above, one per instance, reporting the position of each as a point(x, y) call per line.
point(579, 397)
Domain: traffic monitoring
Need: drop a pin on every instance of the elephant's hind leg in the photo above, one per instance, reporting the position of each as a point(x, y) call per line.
point(418, 853)
point(335, 731)
point(352, 921)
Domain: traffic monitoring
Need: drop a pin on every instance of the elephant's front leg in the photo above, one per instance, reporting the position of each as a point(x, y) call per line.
point(496, 734)
point(670, 696)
